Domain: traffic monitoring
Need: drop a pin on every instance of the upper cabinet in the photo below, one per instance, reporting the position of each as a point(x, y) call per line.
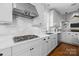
point(26, 10)
point(5, 13)
point(54, 19)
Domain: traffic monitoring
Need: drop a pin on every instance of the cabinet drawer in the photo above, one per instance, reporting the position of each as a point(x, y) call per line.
point(24, 52)
point(5, 52)
point(24, 49)
point(19, 47)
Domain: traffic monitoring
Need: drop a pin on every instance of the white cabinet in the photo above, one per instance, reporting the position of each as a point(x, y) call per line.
point(35, 49)
point(66, 37)
point(44, 47)
point(50, 20)
point(52, 42)
point(27, 49)
point(48, 44)
point(70, 37)
point(21, 50)
point(5, 52)
point(5, 12)
point(53, 21)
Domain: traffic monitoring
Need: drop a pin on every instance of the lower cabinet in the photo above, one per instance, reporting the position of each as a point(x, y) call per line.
point(48, 44)
point(70, 37)
point(35, 49)
point(38, 47)
point(5, 52)
point(44, 46)
point(21, 50)
point(27, 49)
point(66, 37)
point(52, 42)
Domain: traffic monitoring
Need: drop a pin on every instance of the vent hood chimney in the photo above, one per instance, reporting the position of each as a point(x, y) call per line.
point(25, 10)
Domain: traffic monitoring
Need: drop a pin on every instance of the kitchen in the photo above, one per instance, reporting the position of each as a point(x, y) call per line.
point(39, 29)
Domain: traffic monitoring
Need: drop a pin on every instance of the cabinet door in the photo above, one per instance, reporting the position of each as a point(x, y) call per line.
point(21, 50)
point(35, 49)
point(53, 42)
point(75, 39)
point(44, 47)
point(66, 37)
point(5, 52)
point(49, 45)
point(5, 12)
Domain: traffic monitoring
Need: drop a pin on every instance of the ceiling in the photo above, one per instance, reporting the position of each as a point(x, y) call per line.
point(63, 7)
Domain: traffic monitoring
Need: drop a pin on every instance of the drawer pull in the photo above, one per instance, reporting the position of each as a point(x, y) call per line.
point(44, 39)
point(1, 54)
point(31, 48)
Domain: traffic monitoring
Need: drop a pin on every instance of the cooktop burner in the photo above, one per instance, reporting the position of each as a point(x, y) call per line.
point(24, 37)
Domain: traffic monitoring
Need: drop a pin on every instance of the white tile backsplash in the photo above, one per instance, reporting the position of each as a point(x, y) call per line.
point(23, 26)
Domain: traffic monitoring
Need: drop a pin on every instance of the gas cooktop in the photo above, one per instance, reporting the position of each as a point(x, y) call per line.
point(24, 37)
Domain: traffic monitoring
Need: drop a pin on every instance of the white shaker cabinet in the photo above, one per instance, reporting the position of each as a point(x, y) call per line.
point(21, 50)
point(49, 45)
point(5, 12)
point(27, 49)
point(5, 52)
point(44, 46)
point(35, 49)
point(66, 37)
point(70, 37)
point(52, 42)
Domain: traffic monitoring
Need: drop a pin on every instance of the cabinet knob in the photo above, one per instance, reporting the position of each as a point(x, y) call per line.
point(44, 39)
point(1, 54)
point(31, 48)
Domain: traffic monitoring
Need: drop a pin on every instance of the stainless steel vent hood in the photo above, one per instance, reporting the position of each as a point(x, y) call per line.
point(26, 10)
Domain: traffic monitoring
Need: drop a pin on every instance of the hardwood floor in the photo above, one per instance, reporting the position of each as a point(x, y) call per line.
point(65, 50)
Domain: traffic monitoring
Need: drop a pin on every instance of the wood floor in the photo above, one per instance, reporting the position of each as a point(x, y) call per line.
point(65, 50)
